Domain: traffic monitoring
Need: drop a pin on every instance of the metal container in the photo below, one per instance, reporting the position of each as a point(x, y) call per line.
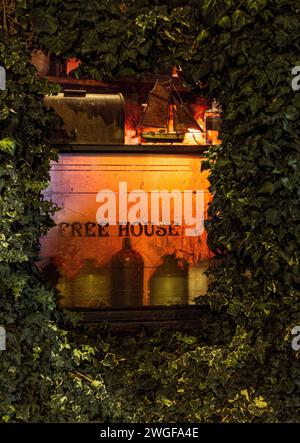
point(127, 276)
point(88, 119)
point(169, 283)
point(90, 288)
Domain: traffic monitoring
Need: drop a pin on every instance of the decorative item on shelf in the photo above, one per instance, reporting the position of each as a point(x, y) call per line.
point(176, 72)
point(88, 119)
point(127, 276)
point(198, 281)
point(167, 115)
point(212, 121)
point(169, 283)
point(41, 61)
point(72, 65)
point(90, 288)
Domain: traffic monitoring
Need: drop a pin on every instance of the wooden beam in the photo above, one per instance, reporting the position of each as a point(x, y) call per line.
point(115, 84)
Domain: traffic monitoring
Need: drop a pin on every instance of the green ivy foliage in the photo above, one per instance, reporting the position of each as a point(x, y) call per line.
point(255, 178)
point(176, 378)
point(44, 374)
point(245, 51)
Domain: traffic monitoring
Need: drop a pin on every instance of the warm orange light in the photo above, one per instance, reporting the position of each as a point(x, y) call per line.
point(131, 137)
point(83, 177)
point(213, 138)
point(72, 63)
point(175, 72)
point(194, 137)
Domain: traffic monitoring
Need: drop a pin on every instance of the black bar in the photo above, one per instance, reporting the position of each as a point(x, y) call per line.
point(190, 432)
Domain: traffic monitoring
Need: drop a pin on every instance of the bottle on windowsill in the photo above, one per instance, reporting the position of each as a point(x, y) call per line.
point(212, 120)
point(169, 283)
point(127, 276)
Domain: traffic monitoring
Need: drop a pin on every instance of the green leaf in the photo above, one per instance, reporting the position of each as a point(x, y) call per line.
point(61, 42)
point(169, 35)
point(110, 360)
point(222, 162)
point(260, 402)
point(7, 145)
point(272, 217)
point(267, 188)
point(292, 113)
point(43, 21)
point(202, 36)
point(225, 22)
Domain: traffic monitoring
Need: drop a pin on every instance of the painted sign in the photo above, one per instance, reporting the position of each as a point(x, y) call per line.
point(129, 231)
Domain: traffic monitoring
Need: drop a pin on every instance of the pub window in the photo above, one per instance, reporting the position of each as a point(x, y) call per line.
point(129, 233)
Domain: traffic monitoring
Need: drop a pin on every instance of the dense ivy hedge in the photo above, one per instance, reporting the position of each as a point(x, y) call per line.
point(245, 50)
point(41, 375)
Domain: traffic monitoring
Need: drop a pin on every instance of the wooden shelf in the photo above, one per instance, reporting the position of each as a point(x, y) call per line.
point(185, 317)
point(75, 81)
point(135, 149)
point(122, 84)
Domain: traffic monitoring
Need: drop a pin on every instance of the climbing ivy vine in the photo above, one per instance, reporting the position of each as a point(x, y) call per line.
point(244, 51)
point(43, 371)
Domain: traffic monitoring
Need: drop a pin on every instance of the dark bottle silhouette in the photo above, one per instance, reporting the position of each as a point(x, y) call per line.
point(169, 283)
point(127, 276)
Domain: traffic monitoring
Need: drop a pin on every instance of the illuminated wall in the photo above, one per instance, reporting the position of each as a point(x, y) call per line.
point(82, 251)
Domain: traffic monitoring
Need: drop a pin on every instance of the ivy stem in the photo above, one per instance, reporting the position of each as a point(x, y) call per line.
point(4, 15)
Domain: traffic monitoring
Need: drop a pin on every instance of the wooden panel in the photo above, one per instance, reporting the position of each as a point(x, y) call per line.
point(75, 183)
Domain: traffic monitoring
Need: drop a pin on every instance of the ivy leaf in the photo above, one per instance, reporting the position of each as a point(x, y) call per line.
point(222, 162)
point(260, 402)
point(292, 113)
point(60, 42)
point(244, 392)
point(213, 10)
point(169, 35)
point(7, 145)
point(202, 36)
point(267, 188)
point(110, 360)
point(165, 401)
point(225, 22)
point(43, 22)
point(240, 19)
point(272, 217)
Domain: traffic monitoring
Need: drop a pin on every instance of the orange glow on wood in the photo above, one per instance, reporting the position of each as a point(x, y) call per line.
point(75, 182)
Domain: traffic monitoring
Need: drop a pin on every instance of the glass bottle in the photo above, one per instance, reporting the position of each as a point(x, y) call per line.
point(169, 283)
point(90, 288)
point(127, 276)
point(212, 120)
